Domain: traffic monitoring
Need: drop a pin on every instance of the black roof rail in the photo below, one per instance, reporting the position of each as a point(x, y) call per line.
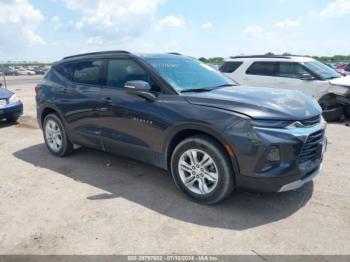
point(99, 53)
point(263, 56)
point(174, 53)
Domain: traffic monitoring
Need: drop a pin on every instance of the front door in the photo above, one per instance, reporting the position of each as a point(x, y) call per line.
point(131, 125)
point(289, 76)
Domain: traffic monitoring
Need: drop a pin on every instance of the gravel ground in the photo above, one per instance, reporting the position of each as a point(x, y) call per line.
point(96, 203)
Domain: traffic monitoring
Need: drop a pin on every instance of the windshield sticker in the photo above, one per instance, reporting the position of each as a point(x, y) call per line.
point(164, 65)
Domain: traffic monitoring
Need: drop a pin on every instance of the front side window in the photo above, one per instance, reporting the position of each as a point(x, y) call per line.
point(187, 74)
point(84, 72)
point(121, 71)
point(262, 69)
point(230, 67)
point(321, 70)
point(291, 70)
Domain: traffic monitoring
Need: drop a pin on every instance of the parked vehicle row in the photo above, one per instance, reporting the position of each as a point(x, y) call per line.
point(330, 88)
point(186, 117)
point(19, 70)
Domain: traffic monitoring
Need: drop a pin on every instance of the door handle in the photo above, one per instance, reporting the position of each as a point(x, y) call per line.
point(108, 100)
point(64, 90)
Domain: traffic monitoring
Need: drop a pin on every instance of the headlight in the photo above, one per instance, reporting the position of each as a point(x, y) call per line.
point(13, 99)
point(272, 123)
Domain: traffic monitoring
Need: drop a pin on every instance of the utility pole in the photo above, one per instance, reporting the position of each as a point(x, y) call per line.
point(3, 75)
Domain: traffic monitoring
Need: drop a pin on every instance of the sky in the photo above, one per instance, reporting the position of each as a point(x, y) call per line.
point(47, 30)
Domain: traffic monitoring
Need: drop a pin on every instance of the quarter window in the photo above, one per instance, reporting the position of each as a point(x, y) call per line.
point(262, 68)
point(230, 67)
point(291, 70)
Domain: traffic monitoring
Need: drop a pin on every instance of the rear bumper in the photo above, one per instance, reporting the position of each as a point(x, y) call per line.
point(11, 111)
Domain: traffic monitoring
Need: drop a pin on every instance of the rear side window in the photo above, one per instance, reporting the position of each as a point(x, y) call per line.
point(84, 72)
point(291, 70)
point(230, 67)
point(262, 68)
point(121, 71)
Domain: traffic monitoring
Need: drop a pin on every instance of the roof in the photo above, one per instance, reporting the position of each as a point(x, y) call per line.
point(272, 58)
point(122, 53)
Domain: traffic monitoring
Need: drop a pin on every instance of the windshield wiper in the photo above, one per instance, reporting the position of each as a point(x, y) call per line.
point(196, 90)
point(205, 89)
point(224, 85)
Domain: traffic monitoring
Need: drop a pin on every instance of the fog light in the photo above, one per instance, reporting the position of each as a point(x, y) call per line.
point(274, 155)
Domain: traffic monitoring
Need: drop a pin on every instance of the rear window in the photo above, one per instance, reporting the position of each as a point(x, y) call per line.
point(84, 72)
point(230, 67)
point(262, 68)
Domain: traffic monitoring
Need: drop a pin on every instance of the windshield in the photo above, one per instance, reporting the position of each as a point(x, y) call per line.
point(186, 74)
point(321, 70)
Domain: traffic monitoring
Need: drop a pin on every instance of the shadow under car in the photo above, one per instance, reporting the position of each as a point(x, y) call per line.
point(154, 189)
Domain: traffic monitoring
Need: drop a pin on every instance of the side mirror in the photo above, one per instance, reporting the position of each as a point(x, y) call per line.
point(306, 77)
point(140, 88)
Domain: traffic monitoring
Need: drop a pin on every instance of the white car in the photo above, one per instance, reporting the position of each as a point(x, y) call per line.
point(326, 85)
point(24, 72)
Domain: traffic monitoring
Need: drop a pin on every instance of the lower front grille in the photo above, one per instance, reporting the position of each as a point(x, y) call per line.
point(309, 151)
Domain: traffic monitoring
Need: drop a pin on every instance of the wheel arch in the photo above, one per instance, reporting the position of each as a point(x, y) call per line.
point(49, 109)
point(183, 132)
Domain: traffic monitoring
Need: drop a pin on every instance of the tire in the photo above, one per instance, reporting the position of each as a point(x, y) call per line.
point(202, 188)
point(333, 114)
point(54, 131)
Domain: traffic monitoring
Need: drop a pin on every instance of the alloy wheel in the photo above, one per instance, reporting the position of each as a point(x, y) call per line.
point(198, 171)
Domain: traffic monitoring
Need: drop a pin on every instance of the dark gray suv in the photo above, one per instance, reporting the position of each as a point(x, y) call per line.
point(184, 116)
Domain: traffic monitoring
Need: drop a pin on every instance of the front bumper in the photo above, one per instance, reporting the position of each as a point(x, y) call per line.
point(301, 182)
point(14, 110)
point(292, 171)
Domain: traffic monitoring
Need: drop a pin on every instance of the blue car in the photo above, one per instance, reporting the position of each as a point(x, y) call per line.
point(11, 108)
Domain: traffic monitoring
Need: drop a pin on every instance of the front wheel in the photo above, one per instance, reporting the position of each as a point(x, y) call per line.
point(202, 170)
point(55, 136)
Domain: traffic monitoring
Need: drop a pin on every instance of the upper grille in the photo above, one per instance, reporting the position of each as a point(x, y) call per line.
point(309, 151)
point(311, 121)
point(3, 102)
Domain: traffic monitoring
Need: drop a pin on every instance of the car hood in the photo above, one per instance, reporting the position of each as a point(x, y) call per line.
point(341, 81)
point(5, 94)
point(259, 103)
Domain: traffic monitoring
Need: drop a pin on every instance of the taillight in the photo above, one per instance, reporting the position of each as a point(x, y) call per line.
point(37, 89)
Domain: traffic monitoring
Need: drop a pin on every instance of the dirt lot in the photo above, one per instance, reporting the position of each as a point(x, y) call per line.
point(97, 203)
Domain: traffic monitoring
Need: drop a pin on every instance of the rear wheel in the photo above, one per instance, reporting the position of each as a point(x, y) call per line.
point(333, 114)
point(202, 170)
point(55, 136)
point(331, 110)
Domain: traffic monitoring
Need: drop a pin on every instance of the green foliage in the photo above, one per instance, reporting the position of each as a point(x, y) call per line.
point(213, 60)
point(336, 58)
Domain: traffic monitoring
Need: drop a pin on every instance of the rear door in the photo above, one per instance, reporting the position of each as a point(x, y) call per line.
point(79, 100)
point(261, 74)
